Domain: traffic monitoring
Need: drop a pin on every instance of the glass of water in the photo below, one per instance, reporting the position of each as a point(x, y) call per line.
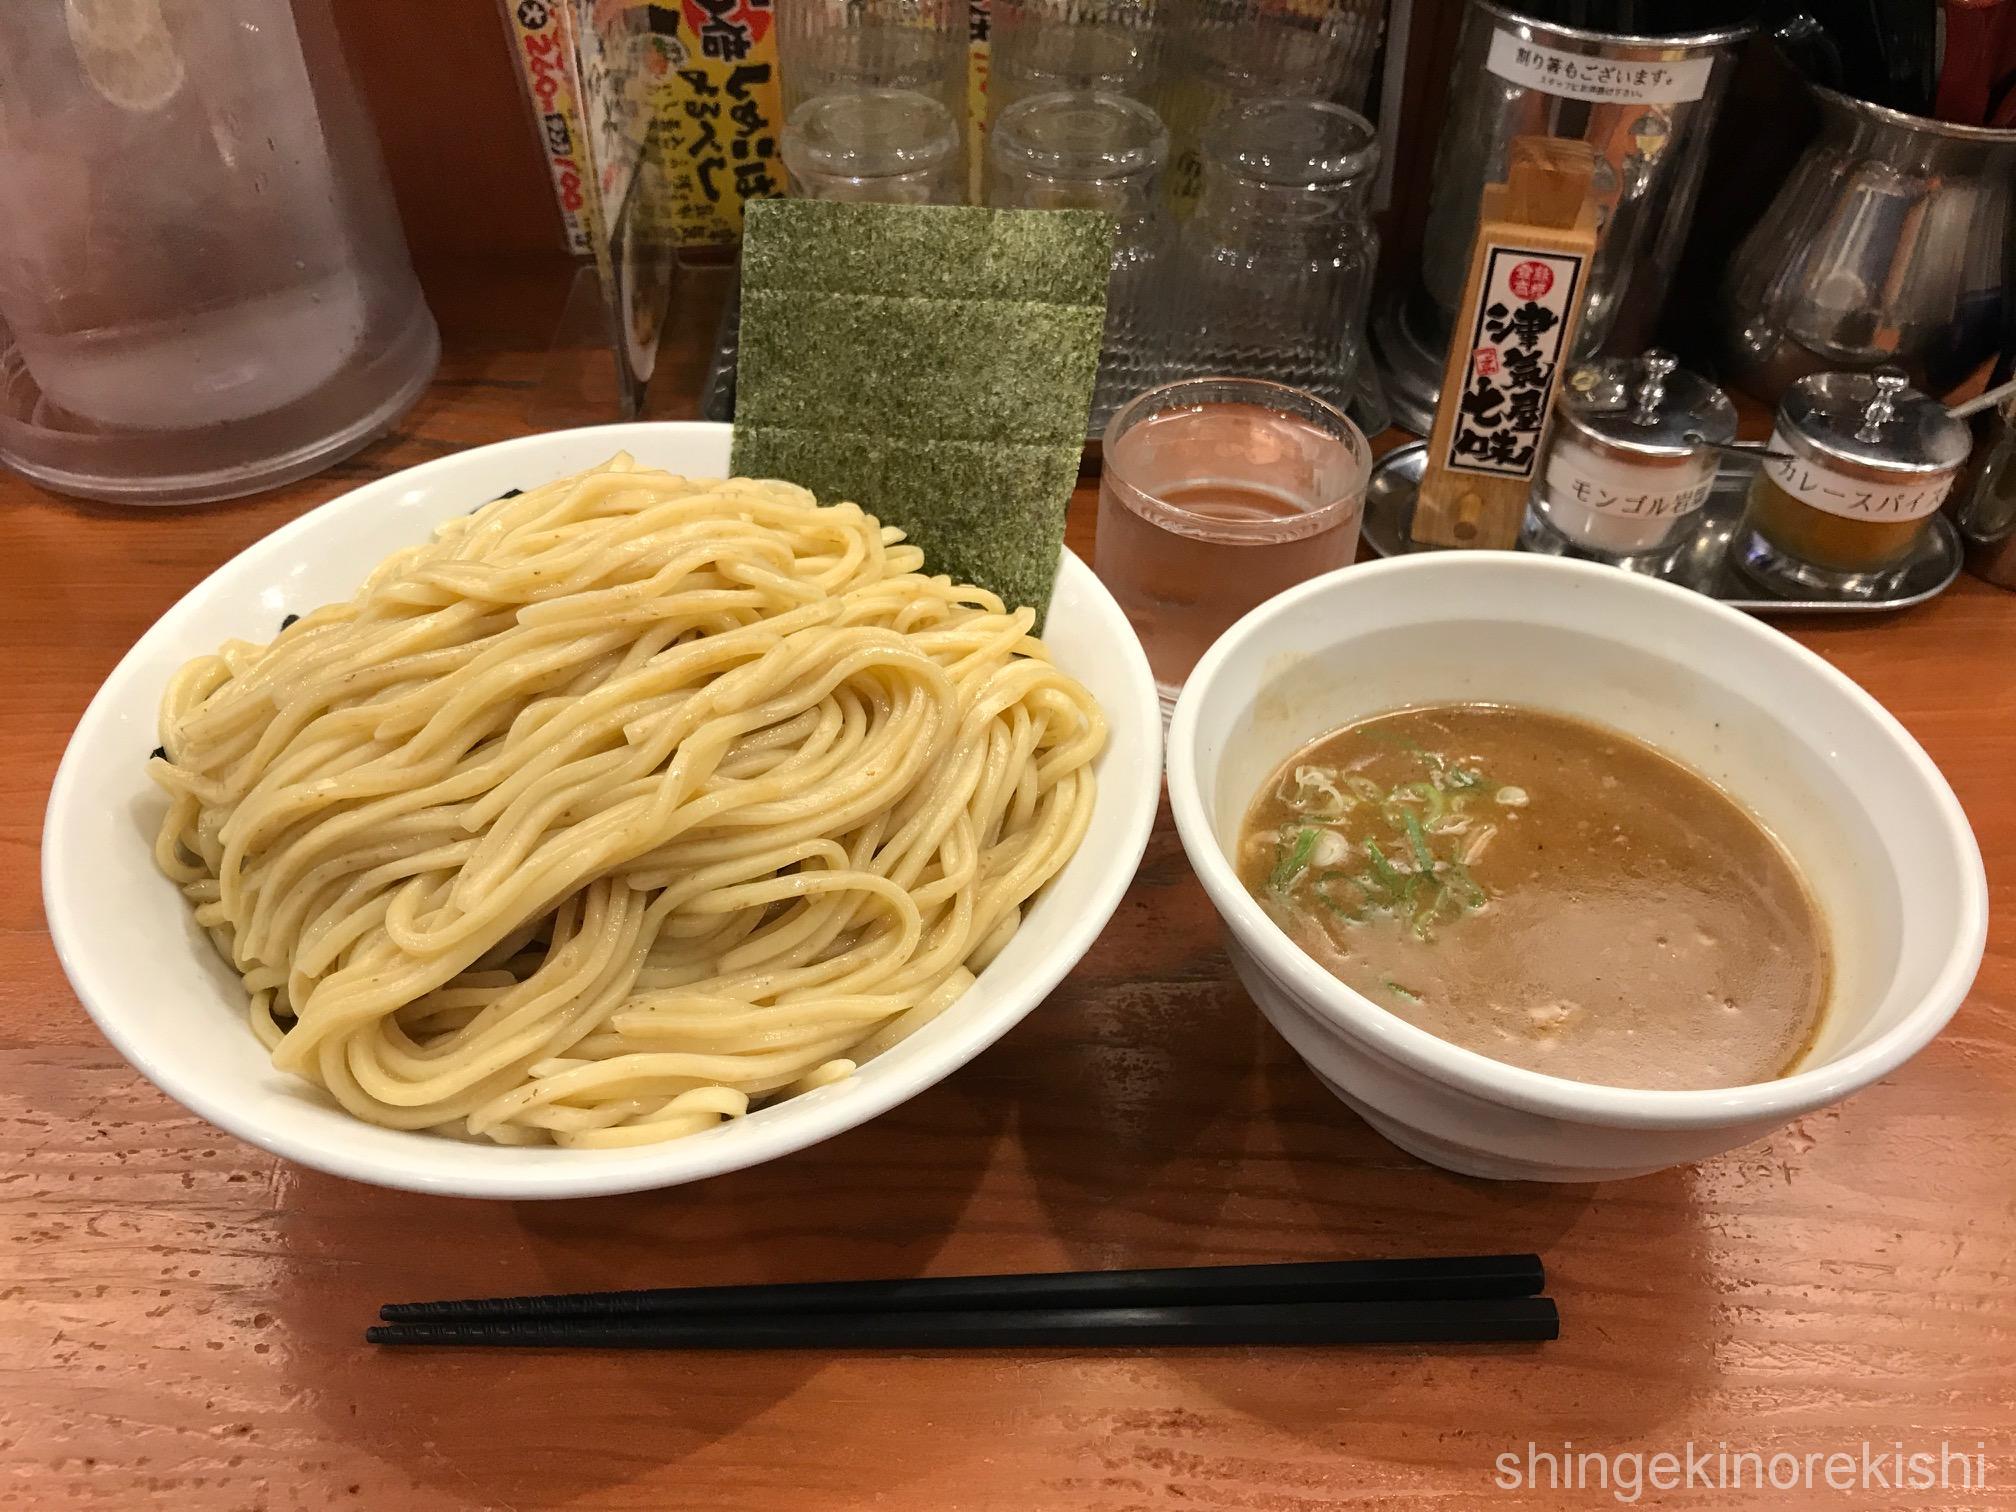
point(1216, 494)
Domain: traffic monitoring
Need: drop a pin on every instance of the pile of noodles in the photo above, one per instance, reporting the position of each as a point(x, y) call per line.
point(621, 805)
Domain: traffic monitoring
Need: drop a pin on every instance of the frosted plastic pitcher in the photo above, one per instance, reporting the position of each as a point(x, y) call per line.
point(203, 283)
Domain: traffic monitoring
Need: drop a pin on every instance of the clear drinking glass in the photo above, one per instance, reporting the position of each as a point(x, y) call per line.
point(1224, 53)
point(1040, 47)
point(885, 146)
point(1216, 494)
point(1091, 151)
point(838, 46)
point(1273, 271)
point(201, 267)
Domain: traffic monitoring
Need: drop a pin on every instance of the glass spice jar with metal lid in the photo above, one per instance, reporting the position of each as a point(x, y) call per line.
point(1630, 459)
point(1858, 465)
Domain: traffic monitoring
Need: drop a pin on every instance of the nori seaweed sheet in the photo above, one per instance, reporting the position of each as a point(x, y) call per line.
point(933, 364)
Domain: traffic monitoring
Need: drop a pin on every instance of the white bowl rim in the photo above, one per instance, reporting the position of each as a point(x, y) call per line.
point(593, 1173)
point(1514, 1086)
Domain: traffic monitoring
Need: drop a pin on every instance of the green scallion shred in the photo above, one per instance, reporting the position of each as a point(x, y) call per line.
point(1464, 887)
point(1390, 881)
point(1417, 839)
point(1424, 916)
point(1293, 861)
point(1398, 991)
point(1323, 895)
point(1430, 795)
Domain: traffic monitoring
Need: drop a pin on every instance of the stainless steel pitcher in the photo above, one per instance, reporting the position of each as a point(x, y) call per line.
point(1886, 246)
point(1985, 503)
point(1646, 104)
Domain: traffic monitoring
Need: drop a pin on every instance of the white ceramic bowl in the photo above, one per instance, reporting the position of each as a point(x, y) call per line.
point(160, 994)
point(1873, 825)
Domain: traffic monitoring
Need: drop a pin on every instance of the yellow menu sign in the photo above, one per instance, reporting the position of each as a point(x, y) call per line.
point(711, 74)
point(716, 115)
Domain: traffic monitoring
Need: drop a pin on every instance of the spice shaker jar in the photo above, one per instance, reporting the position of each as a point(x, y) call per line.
point(1630, 460)
point(1858, 465)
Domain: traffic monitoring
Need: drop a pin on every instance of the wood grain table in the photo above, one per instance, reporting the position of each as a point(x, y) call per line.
point(181, 1315)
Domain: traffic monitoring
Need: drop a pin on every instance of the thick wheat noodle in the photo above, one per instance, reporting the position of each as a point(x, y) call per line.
point(618, 806)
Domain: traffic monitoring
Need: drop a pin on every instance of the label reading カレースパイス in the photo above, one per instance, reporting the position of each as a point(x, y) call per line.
point(1851, 497)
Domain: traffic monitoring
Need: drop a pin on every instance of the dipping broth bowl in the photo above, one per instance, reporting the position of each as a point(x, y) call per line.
point(1882, 842)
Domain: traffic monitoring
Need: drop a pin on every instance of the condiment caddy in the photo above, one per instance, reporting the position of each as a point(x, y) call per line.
point(1640, 469)
point(1702, 560)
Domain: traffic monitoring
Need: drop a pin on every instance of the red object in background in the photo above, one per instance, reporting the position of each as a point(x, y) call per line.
point(1970, 61)
point(726, 21)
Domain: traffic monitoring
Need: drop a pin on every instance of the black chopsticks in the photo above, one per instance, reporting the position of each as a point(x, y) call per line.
point(1467, 1298)
point(1202, 1285)
point(1438, 1321)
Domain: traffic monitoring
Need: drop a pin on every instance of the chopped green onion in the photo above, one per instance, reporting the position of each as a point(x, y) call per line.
point(1398, 991)
point(1293, 861)
point(1431, 795)
point(1389, 879)
point(1462, 778)
point(1424, 856)
point(1424, 916)
point(1464, 887)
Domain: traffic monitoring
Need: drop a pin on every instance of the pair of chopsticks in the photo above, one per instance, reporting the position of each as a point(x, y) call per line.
point(1444, 1300)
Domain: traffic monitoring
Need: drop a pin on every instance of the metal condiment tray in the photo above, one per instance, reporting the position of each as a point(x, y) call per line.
point(1703, 564)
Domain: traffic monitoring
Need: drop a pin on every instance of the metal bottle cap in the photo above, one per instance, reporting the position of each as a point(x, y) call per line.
point(1649, 408)
point(1872, 422)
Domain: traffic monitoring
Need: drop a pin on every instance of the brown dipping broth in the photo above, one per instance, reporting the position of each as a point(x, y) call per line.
point(1548, 893)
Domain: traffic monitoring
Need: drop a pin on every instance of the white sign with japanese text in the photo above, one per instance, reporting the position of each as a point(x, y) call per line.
point(1515, 353)
point(1575, 76)
point(1851, 497)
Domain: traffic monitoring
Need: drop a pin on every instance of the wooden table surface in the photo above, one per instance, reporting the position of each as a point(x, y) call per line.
point(181, 1315)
